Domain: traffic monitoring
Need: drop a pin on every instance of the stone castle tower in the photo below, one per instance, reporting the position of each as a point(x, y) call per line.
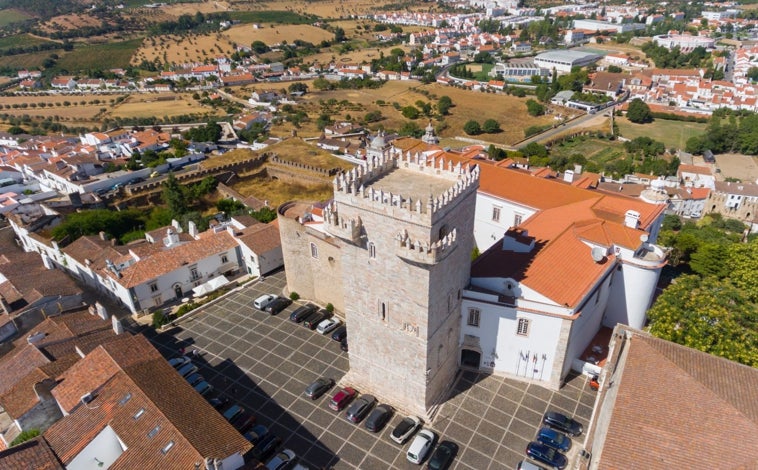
point(404, 225)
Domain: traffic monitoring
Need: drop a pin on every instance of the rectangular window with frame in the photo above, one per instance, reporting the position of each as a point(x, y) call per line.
point(523, 327)
point(517, 219)
point(224, 258)
point(153, 287)
point(473, 317)
point(314, 251)
point(495, 214)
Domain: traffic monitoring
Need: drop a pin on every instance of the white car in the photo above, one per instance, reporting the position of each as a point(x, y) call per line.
point(281, 460)
point(328, 325)
point(261, 302)
point(421, 446)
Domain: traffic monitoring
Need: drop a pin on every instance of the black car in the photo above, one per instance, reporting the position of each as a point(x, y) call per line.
point(563, 423)
point(443, 456)
point(266, 448)
point(378, 418)
point(277, 305)
point(301, 313)
point(545, 454)
point(360, 408)
point(313, 320)
point(340, 333)
point(343, 345)
point(318, 387)
point(243, 422)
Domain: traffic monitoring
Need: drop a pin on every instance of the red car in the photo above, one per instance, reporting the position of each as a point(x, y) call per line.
point(341, 399)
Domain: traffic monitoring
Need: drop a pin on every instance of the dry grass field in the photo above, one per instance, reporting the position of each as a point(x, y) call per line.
point(180, 50)
point(277, 192)
point(299, 151)
point(69, 22)
point(327, 8)
point(275, 34)
point(159, 104)
point(733, 165)
point(81, 110)
point(509, 111)
point(178, 9)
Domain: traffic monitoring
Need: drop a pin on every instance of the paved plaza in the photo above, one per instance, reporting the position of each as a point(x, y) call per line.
point(264, 363)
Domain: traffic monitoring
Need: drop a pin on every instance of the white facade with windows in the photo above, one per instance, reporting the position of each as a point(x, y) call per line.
point(494, 216)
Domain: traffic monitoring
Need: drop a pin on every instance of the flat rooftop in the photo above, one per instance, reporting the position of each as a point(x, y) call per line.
point(413, 184)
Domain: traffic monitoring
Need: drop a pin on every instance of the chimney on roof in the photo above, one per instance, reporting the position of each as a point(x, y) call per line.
point(118, 328)
point(103, 236)
point(177, 226)
point(632, 219)
point(568, 176)
point(192, 229)
point(577, 169)
point(35, 337)
point(517, 240)
point(4, 305)
point(102, 312)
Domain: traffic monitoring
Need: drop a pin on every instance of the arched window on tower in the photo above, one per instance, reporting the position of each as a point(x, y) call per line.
point(383, 311)
point(371, 250)
point(314, 250)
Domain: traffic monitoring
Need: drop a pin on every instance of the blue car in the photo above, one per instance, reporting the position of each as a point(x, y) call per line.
point(562, 423)
point(556, 440)
point(545, 454)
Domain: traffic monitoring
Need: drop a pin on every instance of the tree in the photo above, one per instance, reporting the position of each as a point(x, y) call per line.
point(174, 196)
point(472, 128)
point(322, 84)
point(639, 112)
point(491, 126)
point(410, 112)
point(534, 108)
point(709, 315)
point(339, 35)
point(298, 87)
point(444, 104)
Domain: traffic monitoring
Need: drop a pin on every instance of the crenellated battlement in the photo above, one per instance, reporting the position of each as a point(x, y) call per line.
point(422, 251)
point(445, 180)
point(343, 227)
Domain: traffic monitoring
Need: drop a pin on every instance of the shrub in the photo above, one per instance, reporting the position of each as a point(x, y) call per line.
point(25, 436)
point(294, 296)
point(186, 308)
point(159, 319)
point(329, 307)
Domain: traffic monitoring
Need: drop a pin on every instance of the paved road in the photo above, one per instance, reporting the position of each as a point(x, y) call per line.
point(265, 362)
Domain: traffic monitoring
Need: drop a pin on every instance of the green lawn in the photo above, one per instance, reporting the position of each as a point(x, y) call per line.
point(99, 56)
point(9, 15)
point(20, 40)
point(271, 16)
point(25, 61)
point(673, 134)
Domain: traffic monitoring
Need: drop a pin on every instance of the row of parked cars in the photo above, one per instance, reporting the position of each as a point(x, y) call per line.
point(552, 441)
point(309, 315)
point(266, 445)
point(365, 408)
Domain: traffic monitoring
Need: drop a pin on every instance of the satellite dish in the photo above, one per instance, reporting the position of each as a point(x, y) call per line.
point(643, 238)
point(598, 254)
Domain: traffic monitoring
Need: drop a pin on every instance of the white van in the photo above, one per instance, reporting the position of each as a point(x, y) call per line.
point(261, 302)
point(527, 465)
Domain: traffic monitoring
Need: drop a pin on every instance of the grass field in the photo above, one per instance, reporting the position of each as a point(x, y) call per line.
point(275, 34)
point(159, 105)
point(10, 15)
point(180, 50)
point(25, 61)
point(99, 56)
point(673, 134)
point(299, 151)
point(277, 192)
point(593, 149)
point(21, 40)
point(272, 16)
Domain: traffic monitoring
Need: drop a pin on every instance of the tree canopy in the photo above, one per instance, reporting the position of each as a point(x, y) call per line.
point(639, 112)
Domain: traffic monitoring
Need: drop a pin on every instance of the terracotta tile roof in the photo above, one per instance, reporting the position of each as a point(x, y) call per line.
point(28, 280)
point(169, 259)
point(21, 397)
point(698, 170)
point(133, 368)
point(692, 402)
point(91, 247)
point(15, 367)
point(33, 454)
point(261, 238)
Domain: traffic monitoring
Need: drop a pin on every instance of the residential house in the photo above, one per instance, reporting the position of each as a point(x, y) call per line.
point(63, 83)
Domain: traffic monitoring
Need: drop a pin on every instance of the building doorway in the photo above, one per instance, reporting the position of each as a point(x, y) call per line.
point(470, 358)
point(178, 292)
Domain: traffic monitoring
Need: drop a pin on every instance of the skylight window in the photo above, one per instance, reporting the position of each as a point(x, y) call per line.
point(139, 413)
point(125, 399)
point(154, 431)
point(167, 447)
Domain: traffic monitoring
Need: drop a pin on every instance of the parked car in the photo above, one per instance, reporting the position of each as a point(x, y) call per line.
point(420, 446)
point(340, 333)
point(277, 305)
point(545, 454)
point(243, 422)
point(256, 434)
point(405, 429)
point(328, 325)
point(187, 369)
point(313, 320)
point(378, 418)
point(342, 398)
point(556, 440)
point(562, 422)
point(443, 456)
point(301, 313)
point(360, 408)
point(318, 387)
point(281, 460)
point(527, 465)
point(343, 345)
point(266, 447)
point(231, 412)
point(177, 362)
point(218, 402)
point(203, 388)
point(261, 302)
point(194, 379)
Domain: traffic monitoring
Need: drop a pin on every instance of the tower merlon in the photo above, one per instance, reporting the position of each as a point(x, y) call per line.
point(423, 252)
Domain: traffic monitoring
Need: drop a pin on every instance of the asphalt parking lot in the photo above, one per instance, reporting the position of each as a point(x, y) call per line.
point(265, 362)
